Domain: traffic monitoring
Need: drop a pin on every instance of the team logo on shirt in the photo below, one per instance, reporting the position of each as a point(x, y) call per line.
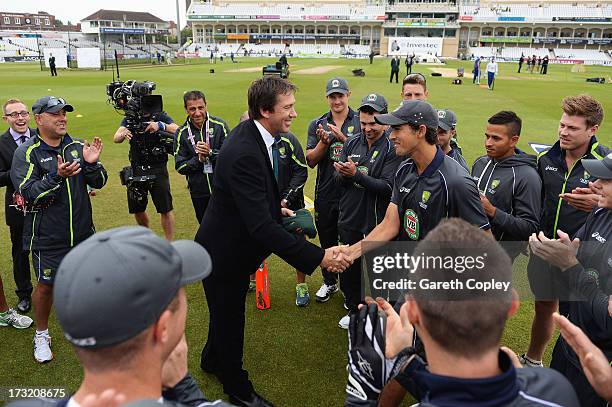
point(334, 151)
point(374, 155)
point(282, 152)
point(424, 198)
point(364, 170)
point(411, 224)
point(350, 130)
point(46, 273)
point(598, 237)
point(74, 154)
point(593, 274)
point(586, 174)
point(495, 183)
point(211, 131)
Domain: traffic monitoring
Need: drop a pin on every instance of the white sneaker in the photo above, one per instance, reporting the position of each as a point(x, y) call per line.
point(344, 322)
point(12, 318)
point(528, 362)
point(325, 292)
point(42, 348)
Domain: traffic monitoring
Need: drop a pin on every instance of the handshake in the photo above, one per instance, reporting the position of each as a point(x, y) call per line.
point(337, 258)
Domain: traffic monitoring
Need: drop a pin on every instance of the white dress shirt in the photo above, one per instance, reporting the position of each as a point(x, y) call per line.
point(267, 138)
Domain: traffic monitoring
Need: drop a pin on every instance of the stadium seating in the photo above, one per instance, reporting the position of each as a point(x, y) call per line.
point(544, 12)
point(515, 53)
point(290, 11)
point(583, 54)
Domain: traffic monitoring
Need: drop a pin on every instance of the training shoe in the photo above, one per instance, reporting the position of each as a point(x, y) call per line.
point(252, 286)
point(325, 292)
point(528, 362)
point(12, 318)
point(344, 322)
point(42, 348)
point(302, 296)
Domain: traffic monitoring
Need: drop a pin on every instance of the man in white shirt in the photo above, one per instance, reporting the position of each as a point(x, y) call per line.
point(492, 70)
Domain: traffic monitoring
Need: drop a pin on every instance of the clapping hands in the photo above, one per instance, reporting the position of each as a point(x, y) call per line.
point(560, 253)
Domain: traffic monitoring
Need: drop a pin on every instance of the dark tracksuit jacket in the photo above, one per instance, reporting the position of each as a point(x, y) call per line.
point(514, 187)
point(456, 155)
point(548, 282)
point(292, 171)
point(591, 282)
point(364, 200)
point(327, 191)
point(524, 387)
point(365, 197)
point(326, 187)
point(557, 179)
point(186, 159)
point(67, 221)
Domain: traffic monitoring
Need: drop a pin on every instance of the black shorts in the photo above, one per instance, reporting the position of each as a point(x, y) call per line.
point(46, 262)
point(159, 188)
point(547, 282)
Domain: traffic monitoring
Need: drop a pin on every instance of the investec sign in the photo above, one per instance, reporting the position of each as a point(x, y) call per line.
point(409, 45)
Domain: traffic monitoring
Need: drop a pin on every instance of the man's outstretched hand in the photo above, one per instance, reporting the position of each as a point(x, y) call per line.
point(337, 259)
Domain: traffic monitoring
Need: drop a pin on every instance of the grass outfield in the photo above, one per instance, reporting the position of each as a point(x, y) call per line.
point(296, 357)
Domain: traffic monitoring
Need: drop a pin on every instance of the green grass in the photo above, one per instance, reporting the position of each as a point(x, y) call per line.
point(296, 357)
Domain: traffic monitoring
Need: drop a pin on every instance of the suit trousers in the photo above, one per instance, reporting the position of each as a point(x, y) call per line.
point(21, 264)
point(224, 349)
point(393, 73)
point(199, 206)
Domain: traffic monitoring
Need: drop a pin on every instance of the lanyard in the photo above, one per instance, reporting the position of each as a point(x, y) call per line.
point(192, 138)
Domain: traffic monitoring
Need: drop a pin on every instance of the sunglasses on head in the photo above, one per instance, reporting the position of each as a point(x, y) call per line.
point(53, 101)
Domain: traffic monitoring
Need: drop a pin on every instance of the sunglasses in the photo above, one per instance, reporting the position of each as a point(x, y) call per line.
point(51, 103)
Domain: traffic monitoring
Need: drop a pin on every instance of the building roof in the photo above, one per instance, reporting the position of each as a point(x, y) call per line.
point(118, 15)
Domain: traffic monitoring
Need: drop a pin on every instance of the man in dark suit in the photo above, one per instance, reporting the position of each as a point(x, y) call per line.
point(242, 226)
point(16, 114)
point(395, 67)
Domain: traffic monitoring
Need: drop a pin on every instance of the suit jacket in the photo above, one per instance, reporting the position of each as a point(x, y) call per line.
point(14, 218)
point(242, 224)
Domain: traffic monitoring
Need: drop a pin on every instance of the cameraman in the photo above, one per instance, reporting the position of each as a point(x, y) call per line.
point(159, 187)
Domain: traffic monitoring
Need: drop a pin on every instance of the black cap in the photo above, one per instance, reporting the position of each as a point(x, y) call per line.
point(447, 119)
point(336, 85)
point(50, 104)
point(117, 283)
point(376, 101)
point(415, 112)
point(599, 168)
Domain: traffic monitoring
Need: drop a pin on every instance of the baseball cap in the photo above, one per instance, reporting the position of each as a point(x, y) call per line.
point(411, 111)
point(376, 101)
point(50, 104)
point(599, 168)
point(117, 283)
point(447, 119)
point(336, 85)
